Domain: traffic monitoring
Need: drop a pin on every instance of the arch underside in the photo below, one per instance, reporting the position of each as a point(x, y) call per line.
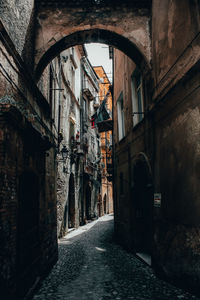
point(93, 36)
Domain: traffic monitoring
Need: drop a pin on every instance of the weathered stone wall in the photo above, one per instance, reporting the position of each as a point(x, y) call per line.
point(20, 151)
point(176, 171)
point(70, 111)
point(177, 178)
point(18, 19)
point(175, 41)
point(25, 138)
point(8, 209)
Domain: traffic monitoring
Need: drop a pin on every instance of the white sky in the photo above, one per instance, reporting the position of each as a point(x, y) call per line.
point(98, 55)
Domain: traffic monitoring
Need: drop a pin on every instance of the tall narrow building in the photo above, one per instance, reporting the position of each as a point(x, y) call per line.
point(105, 203)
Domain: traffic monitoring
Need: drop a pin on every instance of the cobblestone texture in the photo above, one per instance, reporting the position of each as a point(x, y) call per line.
point(91, 266)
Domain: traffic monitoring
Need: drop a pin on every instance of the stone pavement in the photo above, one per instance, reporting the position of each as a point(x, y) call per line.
point(91, 266)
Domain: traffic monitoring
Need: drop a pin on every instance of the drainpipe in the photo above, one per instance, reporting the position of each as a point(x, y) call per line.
point(59, 97)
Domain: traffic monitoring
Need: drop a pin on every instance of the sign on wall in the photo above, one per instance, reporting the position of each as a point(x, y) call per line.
point(157, 200)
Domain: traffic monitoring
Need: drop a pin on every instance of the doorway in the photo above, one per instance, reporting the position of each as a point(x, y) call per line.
point(142, 196)
point(28, 247)
point(88, 202)
point(71, 201)
point(104, 204)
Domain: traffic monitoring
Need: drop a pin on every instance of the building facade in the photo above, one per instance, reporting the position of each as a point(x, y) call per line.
point(133, 173)
point(72, 89)
point(156, 149)
point(105, 204)
point(91, 145)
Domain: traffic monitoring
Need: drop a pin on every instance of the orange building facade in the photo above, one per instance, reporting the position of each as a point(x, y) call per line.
point(105, 201)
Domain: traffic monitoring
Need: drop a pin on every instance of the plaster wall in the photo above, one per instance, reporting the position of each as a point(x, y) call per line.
point(175, 41)
point(124, 67)
point(25, 138)
point(177, 178)
point(126, 151)
point(173, 126)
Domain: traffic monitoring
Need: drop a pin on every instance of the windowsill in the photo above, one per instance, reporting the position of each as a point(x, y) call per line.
point(122, 140)
point(138, 124)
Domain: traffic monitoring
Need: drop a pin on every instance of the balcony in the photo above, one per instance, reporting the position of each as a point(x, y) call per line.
point(105, 125)
point(88, 90)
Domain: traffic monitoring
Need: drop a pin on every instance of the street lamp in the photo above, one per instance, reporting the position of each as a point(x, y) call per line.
point(64, 153)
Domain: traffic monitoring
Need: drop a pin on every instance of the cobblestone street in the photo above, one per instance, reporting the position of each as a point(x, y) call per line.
point(92, 266)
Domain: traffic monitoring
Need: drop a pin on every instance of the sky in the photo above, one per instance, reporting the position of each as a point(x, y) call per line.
point(98, 55)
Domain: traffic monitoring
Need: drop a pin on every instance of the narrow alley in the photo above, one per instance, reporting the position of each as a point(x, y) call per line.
point(99, 116)
point(91, 266)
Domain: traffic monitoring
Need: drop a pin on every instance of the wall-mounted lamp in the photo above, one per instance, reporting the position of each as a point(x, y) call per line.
point(80, 152)
point(65, 153)
point(65, 58)
point(65, 169)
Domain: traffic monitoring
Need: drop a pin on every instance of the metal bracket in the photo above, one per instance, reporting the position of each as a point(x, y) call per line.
point(138, 113)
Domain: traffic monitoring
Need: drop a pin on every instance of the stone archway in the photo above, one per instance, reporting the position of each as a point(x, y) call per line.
point(142, 197)
point(92, 36)
point(124, 25)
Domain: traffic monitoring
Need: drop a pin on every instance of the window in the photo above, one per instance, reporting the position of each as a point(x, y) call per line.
point(137, 97)
point(73, 79)
point(72, 107)
point(85, 110)
point(52, 94)
point(120, 111)
point(71, 134)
